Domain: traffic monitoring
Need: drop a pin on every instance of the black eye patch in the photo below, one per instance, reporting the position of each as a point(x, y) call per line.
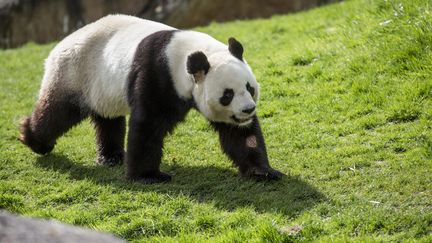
point(250, 89)
point(227, 97)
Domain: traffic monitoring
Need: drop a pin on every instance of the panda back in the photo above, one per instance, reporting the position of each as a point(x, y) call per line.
point(95, 62)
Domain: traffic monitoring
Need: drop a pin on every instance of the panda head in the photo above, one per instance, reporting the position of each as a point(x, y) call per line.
point(225, 88)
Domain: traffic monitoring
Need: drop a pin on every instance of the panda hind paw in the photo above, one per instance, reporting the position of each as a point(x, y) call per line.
point(110, 161)
point(159, 177)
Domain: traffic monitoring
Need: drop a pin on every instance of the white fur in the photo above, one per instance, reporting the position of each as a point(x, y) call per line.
point(226, 71)
point(95, 62)
point(182, 45)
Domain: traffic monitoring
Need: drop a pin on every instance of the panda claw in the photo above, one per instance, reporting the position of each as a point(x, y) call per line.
point(264, 174)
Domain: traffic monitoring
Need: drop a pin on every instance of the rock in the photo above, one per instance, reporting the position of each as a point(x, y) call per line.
point(43, 21)
point(19, 229)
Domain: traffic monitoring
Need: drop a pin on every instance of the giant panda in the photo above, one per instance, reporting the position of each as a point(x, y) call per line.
point(122, 65)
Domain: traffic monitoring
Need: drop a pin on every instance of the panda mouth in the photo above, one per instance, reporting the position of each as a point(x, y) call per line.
point(239, 120)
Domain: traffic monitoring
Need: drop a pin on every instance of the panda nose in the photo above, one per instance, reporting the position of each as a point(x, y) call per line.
point(249, 110)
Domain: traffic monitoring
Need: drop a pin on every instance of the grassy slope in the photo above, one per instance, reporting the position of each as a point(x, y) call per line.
point(346, 110)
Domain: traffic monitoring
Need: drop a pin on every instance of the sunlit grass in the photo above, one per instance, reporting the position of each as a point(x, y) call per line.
point(346, 110)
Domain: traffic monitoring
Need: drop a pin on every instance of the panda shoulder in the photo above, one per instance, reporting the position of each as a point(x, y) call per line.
point(187, 41)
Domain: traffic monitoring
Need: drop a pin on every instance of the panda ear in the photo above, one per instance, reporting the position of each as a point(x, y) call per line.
point(235, 48)
point(198, 65)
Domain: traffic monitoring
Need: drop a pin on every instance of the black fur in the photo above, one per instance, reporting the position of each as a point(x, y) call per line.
point(227, 97)
point(250, 89)
point(50, 119)
point(53, 117)
point(197, 62)
point(251, 160)
point(235, 48)
point(110, 135)
point(155, 108)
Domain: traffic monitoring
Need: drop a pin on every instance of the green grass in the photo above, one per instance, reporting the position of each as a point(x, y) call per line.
point(346, 110)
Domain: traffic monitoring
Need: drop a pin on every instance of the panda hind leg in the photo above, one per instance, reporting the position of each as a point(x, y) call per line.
point(110, 135)
point(52, 117)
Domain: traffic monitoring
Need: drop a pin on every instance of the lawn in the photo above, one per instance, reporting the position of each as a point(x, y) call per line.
point(346, 110)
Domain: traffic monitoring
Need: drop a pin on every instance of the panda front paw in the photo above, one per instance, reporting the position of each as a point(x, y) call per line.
point(159, 177)
point(261, 174)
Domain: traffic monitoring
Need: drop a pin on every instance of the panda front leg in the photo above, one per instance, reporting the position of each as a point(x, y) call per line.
point(245, 146)
point(144, 151)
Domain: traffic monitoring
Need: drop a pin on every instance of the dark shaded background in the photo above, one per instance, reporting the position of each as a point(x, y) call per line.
point(43, 21)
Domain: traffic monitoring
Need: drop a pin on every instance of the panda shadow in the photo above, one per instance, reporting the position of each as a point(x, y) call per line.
point(227, 190)
point(221, 187)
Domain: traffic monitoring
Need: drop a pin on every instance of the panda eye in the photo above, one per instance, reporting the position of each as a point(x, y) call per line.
point(250, 89)
point(227, 97)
